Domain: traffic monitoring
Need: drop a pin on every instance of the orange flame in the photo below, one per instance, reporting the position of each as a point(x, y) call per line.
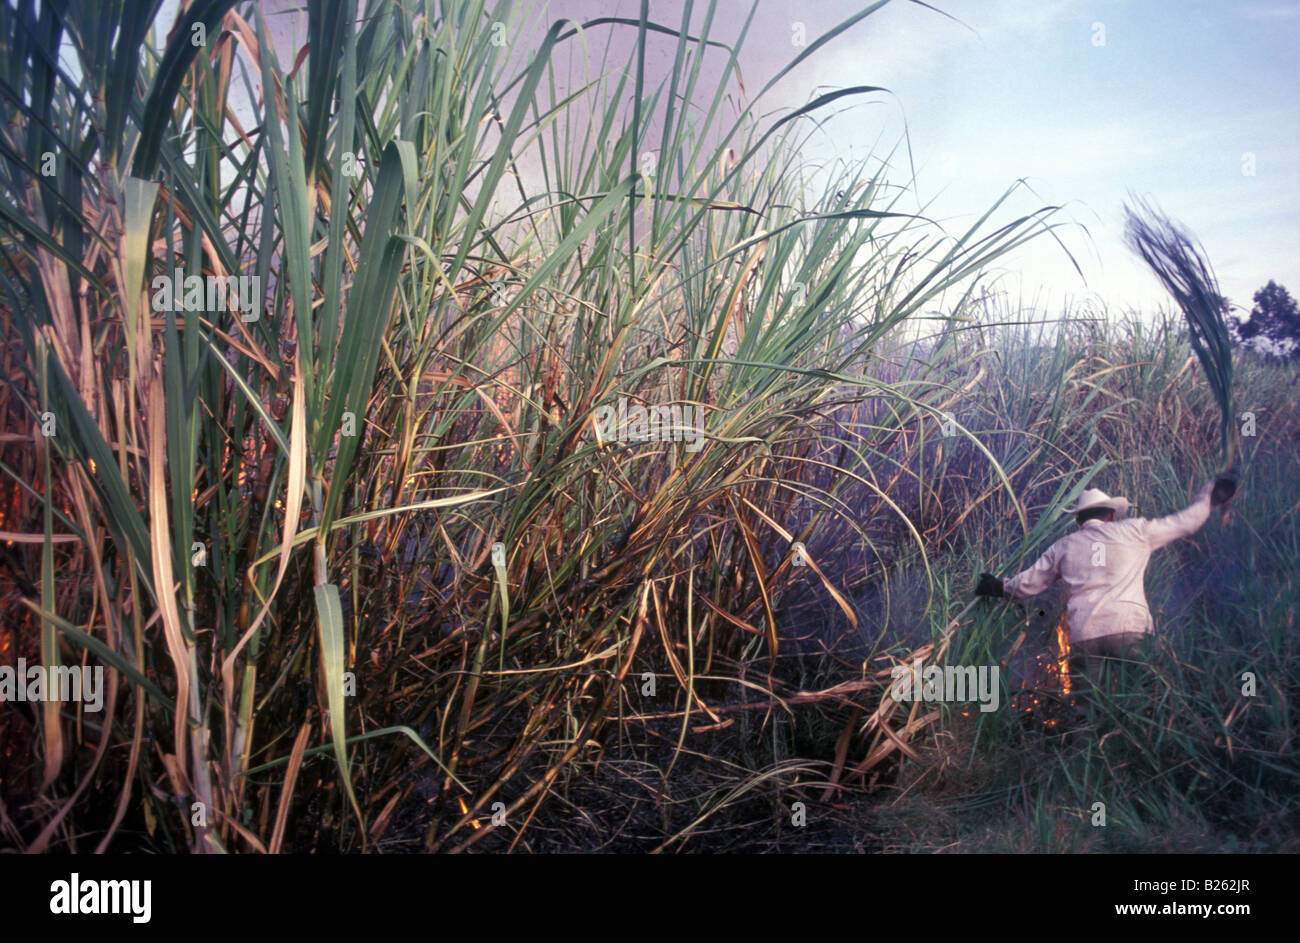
point(464, 810)
point(1063, 655)
point(1052, 669)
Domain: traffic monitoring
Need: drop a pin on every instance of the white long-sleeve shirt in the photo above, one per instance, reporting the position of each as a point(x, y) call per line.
point(1103, 564)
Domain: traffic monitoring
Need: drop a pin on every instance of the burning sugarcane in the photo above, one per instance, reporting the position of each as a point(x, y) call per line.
point(1103, 564)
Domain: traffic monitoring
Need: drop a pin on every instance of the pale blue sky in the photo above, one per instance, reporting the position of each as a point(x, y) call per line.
point(1085, 99)
point(1170, 106)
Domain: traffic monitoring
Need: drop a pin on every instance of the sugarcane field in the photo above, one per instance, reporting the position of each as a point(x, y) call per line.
point(638, 427)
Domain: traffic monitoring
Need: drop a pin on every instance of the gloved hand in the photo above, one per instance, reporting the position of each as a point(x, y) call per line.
point(1224, 488)
point(989, 585)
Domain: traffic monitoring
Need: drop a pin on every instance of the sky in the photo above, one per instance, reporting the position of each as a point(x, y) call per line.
point(1192, 105)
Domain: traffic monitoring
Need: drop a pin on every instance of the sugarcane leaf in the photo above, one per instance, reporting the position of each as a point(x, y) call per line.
point(180, 52)
point(105, 654)
point(329, 615)
point(369, 308)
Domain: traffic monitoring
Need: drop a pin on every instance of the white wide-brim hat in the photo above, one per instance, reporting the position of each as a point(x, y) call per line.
point(1096, 498)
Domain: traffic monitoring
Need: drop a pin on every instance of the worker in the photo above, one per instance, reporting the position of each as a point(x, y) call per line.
point(1103, 564)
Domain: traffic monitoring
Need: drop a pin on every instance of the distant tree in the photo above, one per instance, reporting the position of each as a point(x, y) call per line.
point(1274, 323)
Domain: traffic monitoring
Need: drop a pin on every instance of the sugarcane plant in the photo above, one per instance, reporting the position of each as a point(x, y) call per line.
point(1178, 261)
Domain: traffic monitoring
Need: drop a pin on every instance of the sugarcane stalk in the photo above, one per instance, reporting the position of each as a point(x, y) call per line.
point(1179, 262)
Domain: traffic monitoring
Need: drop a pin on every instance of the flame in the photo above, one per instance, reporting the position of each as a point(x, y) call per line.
point(464, 810)
point(1051, 672)
point(1063, 655)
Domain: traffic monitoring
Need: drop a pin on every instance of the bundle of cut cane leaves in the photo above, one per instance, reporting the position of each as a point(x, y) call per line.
point(1178, 260)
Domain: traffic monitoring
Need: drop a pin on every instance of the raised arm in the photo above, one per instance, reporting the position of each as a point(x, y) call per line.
point(1182, 523)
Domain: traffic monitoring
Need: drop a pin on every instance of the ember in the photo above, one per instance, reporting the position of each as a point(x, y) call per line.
point(1045, 692)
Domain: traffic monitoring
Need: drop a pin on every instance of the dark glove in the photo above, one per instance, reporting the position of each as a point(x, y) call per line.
point(1224, 489)
point(989, 585)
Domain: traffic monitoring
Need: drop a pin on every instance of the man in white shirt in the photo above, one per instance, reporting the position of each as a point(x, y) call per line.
point(1103, 564)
